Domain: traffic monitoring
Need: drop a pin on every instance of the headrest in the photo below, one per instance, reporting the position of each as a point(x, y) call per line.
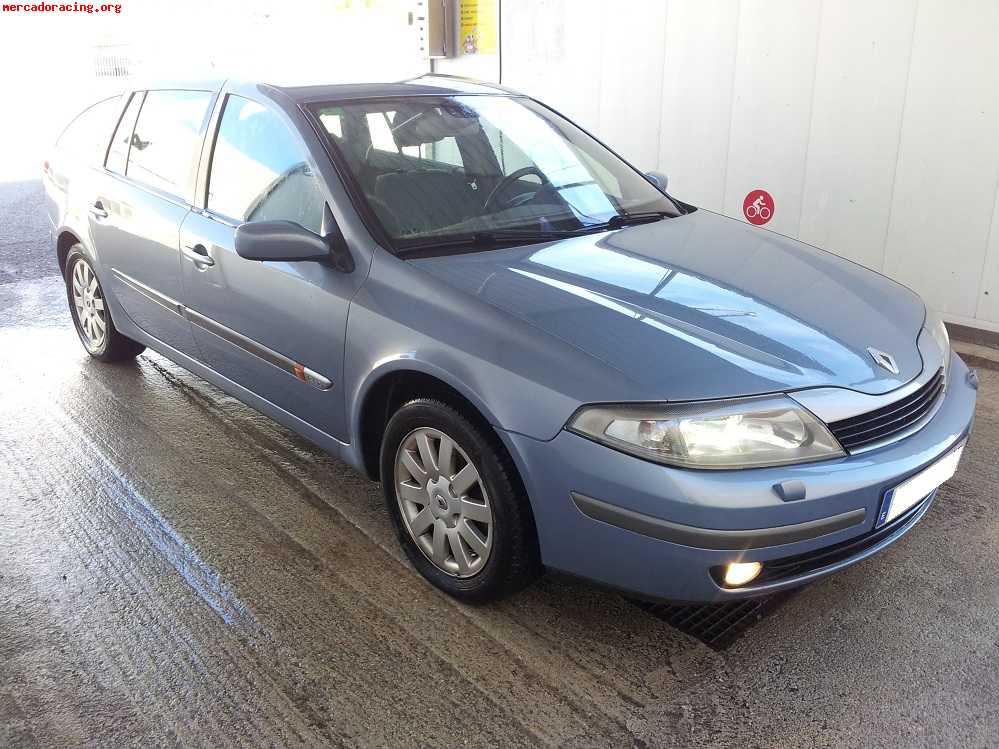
point(415, 125)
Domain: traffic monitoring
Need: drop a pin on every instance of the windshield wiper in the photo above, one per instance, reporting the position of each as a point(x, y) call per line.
point(498, 237)
point(622, 220)
point(484, 239)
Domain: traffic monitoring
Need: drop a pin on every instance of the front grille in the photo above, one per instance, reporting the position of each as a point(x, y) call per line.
point(866, 429)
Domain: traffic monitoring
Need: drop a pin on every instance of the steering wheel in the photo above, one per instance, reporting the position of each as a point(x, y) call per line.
point(510, 179)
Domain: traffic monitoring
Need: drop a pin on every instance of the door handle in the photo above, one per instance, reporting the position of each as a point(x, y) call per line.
point(198, 255)
point(97, 210)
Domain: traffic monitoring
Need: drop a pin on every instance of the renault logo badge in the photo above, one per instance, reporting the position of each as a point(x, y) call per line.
point(886, 361)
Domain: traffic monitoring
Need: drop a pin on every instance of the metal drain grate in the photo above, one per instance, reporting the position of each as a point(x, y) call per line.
point(717, 625)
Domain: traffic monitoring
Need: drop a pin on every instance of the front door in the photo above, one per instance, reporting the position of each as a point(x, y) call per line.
point(276, 328)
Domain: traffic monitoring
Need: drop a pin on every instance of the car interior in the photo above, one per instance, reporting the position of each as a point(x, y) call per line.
point(425, 168)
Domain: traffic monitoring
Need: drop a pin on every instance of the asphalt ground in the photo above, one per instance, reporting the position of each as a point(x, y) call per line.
point(177, 570)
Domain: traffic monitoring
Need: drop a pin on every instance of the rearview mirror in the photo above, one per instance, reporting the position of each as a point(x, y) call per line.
point(290, 242)
point(658, 179)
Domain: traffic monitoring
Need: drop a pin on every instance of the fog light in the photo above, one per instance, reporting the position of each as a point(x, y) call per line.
point(738, 574)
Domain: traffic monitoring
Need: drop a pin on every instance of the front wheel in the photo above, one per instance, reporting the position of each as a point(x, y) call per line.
point(88, 306)
point(457, 503)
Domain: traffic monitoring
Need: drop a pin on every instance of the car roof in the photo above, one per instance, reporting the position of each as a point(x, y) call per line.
point(302, 92)
point(427, 85)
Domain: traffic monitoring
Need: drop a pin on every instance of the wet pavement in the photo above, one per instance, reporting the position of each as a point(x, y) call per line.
point(176, 569)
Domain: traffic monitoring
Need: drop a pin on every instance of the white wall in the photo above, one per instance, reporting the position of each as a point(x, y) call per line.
point(874, 124)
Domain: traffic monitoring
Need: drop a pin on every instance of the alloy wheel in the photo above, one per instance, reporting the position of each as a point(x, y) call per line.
point(443, 502)
point(88, 298)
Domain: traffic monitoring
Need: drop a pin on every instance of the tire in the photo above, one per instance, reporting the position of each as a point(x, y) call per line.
point(90, 312)
point(510, 560)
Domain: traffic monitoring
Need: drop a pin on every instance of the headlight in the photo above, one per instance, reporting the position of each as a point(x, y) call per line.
point(737, 433)
point(936, 328)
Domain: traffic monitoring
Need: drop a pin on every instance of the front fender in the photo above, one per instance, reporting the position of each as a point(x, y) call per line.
point(520, 379)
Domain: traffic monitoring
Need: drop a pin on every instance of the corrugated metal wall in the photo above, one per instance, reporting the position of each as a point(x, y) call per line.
point(873, 123)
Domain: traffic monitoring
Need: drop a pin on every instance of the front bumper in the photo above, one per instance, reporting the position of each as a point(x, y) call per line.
point(725, 515)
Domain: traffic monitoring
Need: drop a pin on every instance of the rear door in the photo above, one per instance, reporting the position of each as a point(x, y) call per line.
point(276, 328)
point(141, 202)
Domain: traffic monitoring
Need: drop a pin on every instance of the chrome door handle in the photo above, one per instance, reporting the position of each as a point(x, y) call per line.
point(198, 255)
point(97, 210)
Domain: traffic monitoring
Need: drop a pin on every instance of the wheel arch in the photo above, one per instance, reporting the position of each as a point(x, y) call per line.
point(393, 383)
point(65, 240)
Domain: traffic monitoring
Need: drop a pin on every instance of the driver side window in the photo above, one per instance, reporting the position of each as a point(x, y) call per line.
point(605, 179)
point(259, 171)
point(508, 154)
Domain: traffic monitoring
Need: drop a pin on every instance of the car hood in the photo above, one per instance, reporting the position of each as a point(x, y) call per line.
point(703, 306)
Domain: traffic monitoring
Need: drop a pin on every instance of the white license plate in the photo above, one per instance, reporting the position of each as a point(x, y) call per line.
point(916, 488)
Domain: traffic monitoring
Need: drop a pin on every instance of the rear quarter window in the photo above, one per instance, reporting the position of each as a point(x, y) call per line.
point(86, 137)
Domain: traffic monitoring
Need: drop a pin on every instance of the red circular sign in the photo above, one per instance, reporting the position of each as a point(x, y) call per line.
point(758, 207)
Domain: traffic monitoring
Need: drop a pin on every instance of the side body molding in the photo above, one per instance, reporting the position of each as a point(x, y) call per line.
point(279, 360)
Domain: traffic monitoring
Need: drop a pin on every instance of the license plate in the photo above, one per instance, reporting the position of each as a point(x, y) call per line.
point(916, 488)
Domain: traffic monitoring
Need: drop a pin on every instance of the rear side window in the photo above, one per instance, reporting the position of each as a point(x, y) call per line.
point(167, 139)
point(118, 153)
point(86, 138)
point(259, 169)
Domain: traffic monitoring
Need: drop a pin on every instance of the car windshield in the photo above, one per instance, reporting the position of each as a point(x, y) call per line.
point(482, 170)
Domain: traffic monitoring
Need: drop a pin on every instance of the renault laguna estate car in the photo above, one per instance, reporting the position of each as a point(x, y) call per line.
point(546, 360)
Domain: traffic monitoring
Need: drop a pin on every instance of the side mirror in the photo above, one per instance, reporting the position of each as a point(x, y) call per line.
point(289, 242)
point(658, 180)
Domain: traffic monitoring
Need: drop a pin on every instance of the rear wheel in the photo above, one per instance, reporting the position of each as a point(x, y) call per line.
point(456, 502)
point(88, 306)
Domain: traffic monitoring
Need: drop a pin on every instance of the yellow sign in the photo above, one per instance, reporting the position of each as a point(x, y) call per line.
point(478, 27)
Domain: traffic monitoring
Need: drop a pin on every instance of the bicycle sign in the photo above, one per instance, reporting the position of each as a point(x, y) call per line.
point(758, 207)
